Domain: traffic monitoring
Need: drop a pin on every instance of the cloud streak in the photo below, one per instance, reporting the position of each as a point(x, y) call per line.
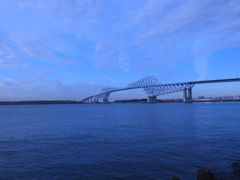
point(151, 32)
point(108, 78)
point(22, 89)
point(173, 27)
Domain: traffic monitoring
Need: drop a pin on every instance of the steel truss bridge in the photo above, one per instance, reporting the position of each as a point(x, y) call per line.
point(154, 88)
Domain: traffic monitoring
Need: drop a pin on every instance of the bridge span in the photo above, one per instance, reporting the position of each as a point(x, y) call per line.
point(154, 88)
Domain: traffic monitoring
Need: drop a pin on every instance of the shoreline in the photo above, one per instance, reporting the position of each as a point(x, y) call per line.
point(39, 102)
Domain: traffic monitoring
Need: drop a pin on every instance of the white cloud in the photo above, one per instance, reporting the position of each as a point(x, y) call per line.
point(150, 31)
point(22, 89)
point(6, 79)
point(33, 44)
point(165, 31)
point(108, 78)
point(201, 67)
point(124, 61)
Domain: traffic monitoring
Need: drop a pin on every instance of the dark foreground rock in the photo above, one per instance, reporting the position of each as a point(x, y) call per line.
point(236, 170)
point(236, 165)
point(204, 174)
point(175, 178)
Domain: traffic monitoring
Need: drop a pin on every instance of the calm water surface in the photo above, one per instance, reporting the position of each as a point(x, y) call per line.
point(118, 141)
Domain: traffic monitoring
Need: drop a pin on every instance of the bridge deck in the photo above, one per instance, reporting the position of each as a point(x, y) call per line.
point(215, 81)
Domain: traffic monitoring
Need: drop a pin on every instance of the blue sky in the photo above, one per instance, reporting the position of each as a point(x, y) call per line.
point(70, 49)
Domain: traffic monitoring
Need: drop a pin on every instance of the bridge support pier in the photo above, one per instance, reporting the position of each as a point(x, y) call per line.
point(95, 100)
point(187, 95)
point(152, 99)
point(105, 101)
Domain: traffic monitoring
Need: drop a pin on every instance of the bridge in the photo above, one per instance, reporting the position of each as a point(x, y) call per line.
point(154, 88)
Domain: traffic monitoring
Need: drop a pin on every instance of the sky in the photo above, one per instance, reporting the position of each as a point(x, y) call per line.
point(71, 49)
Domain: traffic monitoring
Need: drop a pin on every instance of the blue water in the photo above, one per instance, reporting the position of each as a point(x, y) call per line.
point(118, 141)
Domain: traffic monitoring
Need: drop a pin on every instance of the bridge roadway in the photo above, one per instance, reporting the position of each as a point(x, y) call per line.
point(157, 89)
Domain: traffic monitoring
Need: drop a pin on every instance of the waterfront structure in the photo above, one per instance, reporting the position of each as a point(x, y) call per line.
point(201, 97)
point(154, 88)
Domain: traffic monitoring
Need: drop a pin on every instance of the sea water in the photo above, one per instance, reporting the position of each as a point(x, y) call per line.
point(119, 141)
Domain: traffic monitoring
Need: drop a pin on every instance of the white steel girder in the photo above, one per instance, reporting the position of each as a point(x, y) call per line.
point(153, 87)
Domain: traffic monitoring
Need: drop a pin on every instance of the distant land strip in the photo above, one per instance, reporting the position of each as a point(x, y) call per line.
point(38, 102)
point(117, 101)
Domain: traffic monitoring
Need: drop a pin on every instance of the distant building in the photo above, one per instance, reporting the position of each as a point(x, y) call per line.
point(209, 98)
point(237, 97)
point(201, 97)
point(217, 98)
point(227, 97)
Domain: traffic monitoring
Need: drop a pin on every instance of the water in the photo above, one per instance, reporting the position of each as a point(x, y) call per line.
point(118, 141)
